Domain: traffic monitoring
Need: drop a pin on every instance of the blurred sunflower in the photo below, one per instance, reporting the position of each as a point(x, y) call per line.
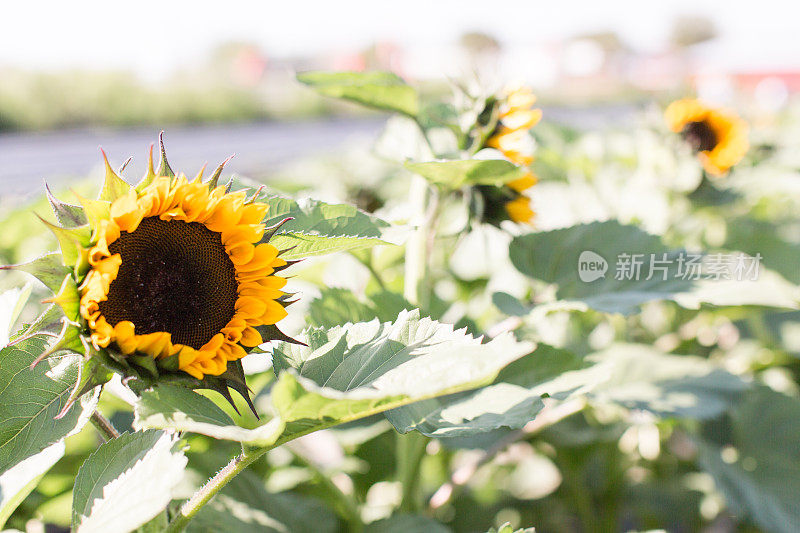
point(511, 137)
point(719, 137)
point(169, 277)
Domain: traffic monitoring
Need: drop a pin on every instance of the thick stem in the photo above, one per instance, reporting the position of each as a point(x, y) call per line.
point(212, 487)
point(104, 426)
point(417, 245)
point(410, 452)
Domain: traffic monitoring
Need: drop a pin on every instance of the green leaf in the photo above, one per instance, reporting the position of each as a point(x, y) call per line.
point(553, 257)
point(379, 90)
point(179, 408)
point(336, 307)
point(639, 377)
point(319, 228)
point(511, 401)
point(245, 506)
point(49, 269)
point(126, 482)
point(757, 467)
point(456, 174)
point(31, 398)
point(760, 237)
point(406, 523)
point(20, 480)
point(357, 370)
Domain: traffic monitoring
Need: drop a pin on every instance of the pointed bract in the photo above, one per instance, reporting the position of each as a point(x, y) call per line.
point(68, 215)
point(163, 165)
point(113, 185)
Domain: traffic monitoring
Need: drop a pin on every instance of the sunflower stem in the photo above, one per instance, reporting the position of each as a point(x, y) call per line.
point(212, 487)
point(104, 426)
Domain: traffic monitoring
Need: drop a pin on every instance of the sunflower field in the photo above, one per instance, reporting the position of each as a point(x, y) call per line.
point(483, 321)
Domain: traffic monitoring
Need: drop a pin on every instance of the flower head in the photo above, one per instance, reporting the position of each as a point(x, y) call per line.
point(718, 136)
point(170, 278)
point(511, 137)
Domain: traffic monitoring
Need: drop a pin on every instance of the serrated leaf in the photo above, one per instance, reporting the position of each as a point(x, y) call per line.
point(173, 407)
point(20, 480)
point(380, 90)
point(553, 257)
point(49, 269)
point(762, 480)
point(319, 228)
point(336, 307)
point(30, 399)
point(511, 401)
point(351, 372)
point(456, 174)
point(640, 377)
point(126, 482)
point(244, 506)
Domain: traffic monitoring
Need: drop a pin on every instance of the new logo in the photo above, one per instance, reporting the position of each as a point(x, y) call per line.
point(591, 266)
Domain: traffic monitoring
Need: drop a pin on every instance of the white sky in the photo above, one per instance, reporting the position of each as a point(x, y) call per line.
point(153, 37)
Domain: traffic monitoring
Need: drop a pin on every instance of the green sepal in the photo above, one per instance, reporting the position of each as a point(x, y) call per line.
point(47, 322)
point(68, 215)
point(163, 165)
point(145, 362)
point(113, 185)
point(49, 269)
point(91, 373)
point(170, 364)
point(68, 298)
point(232, 378)
point(95, 210)
point(71, 240)
point(214, 179)
point(272, 333)
point(149, 175)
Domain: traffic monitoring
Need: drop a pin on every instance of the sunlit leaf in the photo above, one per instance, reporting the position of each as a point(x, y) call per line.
point(380, 90)
point(126, 482)
point(30, 399)
point(456, 174)
point(597, 264)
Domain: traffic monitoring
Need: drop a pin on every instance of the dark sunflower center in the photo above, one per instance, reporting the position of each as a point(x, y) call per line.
point(700, 136)
point(175, 277)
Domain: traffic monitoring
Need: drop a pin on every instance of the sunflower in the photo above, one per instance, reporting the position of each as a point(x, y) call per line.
point(511, 137)
point(516, 118)
point(718, 136)
point(171, 277)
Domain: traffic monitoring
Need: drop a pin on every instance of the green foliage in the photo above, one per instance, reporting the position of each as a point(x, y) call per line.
point(380, 90)
point(756, 463)
point(245, 506)
point(30, 399)
point(554, 256)
point(456, 174)
point(126, 482)
point(319, 228)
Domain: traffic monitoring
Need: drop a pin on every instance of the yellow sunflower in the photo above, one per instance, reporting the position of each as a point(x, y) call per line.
point(511, 137)
point(519, 208)
point(718, 136)
point(168, 278)
point(516, 118)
